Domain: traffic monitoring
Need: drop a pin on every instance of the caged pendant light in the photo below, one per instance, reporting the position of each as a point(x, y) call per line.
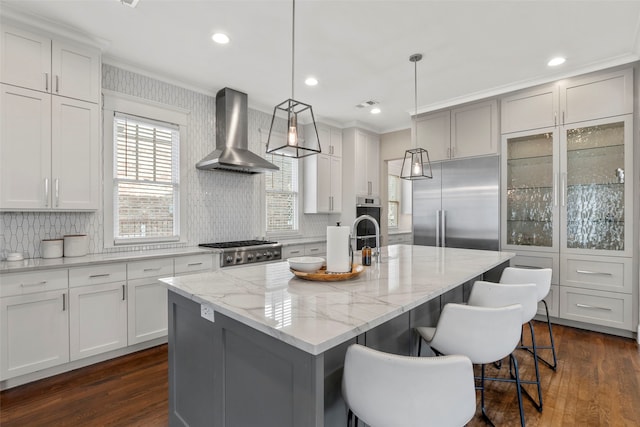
point(290, 142)
point(416, 164)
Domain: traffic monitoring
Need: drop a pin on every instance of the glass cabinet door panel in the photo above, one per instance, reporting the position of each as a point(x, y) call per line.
point(595, 187)
point(530, 196)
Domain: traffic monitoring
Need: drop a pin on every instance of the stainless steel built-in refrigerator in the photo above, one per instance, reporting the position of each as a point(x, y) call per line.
point(460, 206)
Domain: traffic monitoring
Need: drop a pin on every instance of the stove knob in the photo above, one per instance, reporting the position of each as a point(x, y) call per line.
point(276, 254)
point(239, 259)
point(250, 257)
point(268, 254)
point(229, 259)
point(258, 256)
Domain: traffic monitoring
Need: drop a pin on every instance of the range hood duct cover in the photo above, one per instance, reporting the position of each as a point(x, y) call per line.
point(232, 137)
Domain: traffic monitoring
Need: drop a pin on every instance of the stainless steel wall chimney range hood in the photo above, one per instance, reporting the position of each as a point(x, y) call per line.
point(232, 137)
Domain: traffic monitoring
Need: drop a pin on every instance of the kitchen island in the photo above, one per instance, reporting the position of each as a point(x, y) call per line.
point(258, 346)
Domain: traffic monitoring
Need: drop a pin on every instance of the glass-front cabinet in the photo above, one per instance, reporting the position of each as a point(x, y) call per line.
point(569, 188)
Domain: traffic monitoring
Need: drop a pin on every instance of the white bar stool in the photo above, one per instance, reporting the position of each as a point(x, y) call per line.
point(484, 334)
point(542, 278)
point(489, 294)
point(385, 389)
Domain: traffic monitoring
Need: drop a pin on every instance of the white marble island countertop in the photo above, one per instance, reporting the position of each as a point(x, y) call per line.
point(316, 316)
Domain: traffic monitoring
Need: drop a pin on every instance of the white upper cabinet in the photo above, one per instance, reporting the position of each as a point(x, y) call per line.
point(37, 62)
point(49, 152)
point(75, 154)
point(49, 123)
point(330, 138)
point(367, 163)
point(474, 130)
point(590, 97)
point(323, 172)
point(75, 71)
point(26, 59)
point(25, 148)
point(467, 131)
point(434, 134)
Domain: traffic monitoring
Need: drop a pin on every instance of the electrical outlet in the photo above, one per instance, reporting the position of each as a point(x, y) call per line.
point(207, 312)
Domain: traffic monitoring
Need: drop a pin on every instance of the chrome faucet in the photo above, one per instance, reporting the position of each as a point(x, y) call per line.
point(354, 232)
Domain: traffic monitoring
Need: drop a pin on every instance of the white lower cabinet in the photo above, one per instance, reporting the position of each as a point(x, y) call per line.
point(147, 310)
point(97, 319)
point(34, 332)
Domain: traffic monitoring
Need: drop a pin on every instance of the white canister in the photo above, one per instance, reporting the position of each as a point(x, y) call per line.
point(51, 248)
point(76, 245)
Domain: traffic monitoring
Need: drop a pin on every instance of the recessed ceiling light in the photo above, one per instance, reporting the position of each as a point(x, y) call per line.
point(554, 62)
point(220, 38)
point(311, 81)
point(375, 111)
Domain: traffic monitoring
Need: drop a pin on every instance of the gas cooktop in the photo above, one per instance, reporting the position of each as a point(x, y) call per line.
point(246, 251)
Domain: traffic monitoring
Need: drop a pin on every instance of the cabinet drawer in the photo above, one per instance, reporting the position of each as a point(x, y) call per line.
point(553, 303)
point(108, 273)
point(315, 249)
point(33, 281)
point(150, 268)
point(193, 263)
point(596, 307)
point(599, 273)
point(539, 260)
point(292, 251)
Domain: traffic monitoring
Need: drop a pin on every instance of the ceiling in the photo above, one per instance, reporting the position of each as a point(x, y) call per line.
point(357, 49)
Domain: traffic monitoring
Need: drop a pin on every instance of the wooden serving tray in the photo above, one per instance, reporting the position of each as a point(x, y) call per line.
point(323, 276)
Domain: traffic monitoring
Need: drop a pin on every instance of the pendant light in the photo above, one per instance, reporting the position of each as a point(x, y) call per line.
point(290, 141)
point(416, 164)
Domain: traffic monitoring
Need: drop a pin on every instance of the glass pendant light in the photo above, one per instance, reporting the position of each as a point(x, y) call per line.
point(416, 164)
point(286, 134)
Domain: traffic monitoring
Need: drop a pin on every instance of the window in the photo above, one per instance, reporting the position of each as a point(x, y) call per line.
point(143, 201)
point(282, 195)
point(145, 179)
point(394, 200)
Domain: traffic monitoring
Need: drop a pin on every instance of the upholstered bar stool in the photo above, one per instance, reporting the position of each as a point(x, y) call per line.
point(385, 389)
point(489, 294)
point(542, 278)
point(483, 334)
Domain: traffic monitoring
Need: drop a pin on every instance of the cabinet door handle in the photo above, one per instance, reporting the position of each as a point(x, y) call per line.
point(437, 228)
point(123, 292)
point(27, 285)
point(46, 192)
point(46, 82)
point(294, 252)
point(563, 189)
point(563, 117)
point(595, 307)
point(152, 269)
point(64, 302)
point(555, 189)
point(314, 250)
point(57, 192)
point(57, 84)
point(193, 264)
point(94, 276)
point(555, 118)
point(597, 273)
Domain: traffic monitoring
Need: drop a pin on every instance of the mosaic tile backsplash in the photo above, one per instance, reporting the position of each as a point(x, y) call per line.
point(221, 206)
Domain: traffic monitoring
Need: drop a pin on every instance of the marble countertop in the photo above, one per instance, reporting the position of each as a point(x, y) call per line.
point(34, 264)
point(302, 241)
point(316, 316)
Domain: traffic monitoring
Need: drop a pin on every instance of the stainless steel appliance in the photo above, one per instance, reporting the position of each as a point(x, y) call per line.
point(365, 231)
point(246, 251)
point(460, 206)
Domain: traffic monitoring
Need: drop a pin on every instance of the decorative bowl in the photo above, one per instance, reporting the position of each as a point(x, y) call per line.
point(308, 264)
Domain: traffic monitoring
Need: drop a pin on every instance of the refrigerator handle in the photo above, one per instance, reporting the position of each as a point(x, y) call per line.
point(444, 228)
point(438, 228)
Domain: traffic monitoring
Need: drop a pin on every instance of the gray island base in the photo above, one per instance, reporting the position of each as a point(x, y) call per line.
point(256, 346)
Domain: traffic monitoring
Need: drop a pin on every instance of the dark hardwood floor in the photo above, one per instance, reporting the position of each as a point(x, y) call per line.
point(597, 384)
